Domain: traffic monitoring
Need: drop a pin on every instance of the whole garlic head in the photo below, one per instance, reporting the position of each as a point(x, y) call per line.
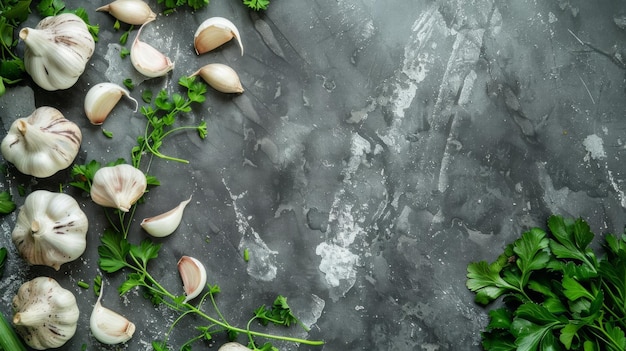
point(43, 143)
point(51, 229)
point(57, 50)
point(45, 313)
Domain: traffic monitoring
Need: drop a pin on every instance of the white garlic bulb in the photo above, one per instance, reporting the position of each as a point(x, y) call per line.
point(51, 229)
point(147, 60)
point(57, 51)
point(213, 33)
point(118, 186)
point(165, 223)
point(43, 143)
point(101, 99)
point(135, 12)
point(221, 77)
point(45, 314)
point(108, 326)
point(193, 275)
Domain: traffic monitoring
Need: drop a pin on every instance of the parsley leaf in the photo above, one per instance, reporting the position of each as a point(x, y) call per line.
point(6, 203)
point(257, 5)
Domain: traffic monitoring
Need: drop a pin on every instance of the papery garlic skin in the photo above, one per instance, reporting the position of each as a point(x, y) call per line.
point(57, 51)
point(165, 223)
point(102, 98)
point(220, 77)
point(147, 60)
point(213, 33)
point(193, 275)
point(45, 314)
point(118, 186)
point(108, 326)
point(51, 229)
point(43, 143)
point(135, 12)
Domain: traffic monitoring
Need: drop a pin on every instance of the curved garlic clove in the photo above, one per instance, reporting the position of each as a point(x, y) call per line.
point(135, 12)
point(165, 223)
point(214, 32)
point(109, 327)
point(51, 229)
point(118, 186)
point(221, 77)
point(147, 60)
point(43, 143)
point(101, 99)
point(193, 275)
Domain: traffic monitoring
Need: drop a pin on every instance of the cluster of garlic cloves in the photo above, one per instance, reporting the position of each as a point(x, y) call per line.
point(166, 223)
point(220, 77)
point(147, 60)
point(118, 186)
point(135, 12)
point(213, 33)
point(193, 275)
point(108, 326)
point(102, 98)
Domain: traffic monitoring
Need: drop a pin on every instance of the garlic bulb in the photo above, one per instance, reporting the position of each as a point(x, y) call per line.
point(45, 313)
point(57, 50)
point(51, 229)
point(102, 98)
point(213, 33)
point(43, 143)
point(165, 223)
point(109, 327)
point(135, 12)
point(147, 60)
point(221, 77)
point(118, 186)
point(193, 275)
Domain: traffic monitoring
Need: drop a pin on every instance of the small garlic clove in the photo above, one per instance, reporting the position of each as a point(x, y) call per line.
point(165, 223)
point(101, 99)
point(193, 275)
point(118, 186)
point(108, 326)
point(221, 77)
point(147, 60)
point(135, 12)
point(213, 33)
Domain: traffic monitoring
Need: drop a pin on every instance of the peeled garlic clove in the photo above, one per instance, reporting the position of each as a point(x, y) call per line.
point(147, 60)
point(135, 12)
point(109, 327)
point(221, 77)
point(102, 98)
point(214, 32)
point(165, 223)
point(193, 275)
point(118, 186)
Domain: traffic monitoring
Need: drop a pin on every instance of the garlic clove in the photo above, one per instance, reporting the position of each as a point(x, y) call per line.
point(213, 33)
point(101, 99)
point(147, 60)
point(135, 12)
point(221, 77)
point(118, 186)
point(108, 326)
point(232, 346)
point(165, 223)
point(193, 275)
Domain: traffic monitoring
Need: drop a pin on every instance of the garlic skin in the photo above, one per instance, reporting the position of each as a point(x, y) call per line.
point(51, 229)
point(45, 314)
point(165, 223)
point(193, 275)
point(221, 77)
point(213, 33)
point(232, 346)
point(57, 51)
point(43, 143)
point(102, 98)
point(147, 60)
point(118, 186)
point(135, 12)
point(109, 327)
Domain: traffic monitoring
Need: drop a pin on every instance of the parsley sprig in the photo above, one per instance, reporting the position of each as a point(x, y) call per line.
point(557, 292)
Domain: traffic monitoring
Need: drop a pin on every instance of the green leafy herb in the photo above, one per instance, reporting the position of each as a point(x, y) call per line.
point(82, 284)
point(124, 36)
point(124, 52)
point(50, 7)
point(171, 5)
point(558, 294)
point(12, 14)
point(128, 83)
point(3, 258)
point(6, 203)
point(97, 285)
point(107, 133)
point(257, 5)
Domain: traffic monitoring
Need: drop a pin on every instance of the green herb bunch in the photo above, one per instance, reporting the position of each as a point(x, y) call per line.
point(557, 293)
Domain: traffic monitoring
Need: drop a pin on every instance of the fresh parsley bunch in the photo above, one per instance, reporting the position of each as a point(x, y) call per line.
point(558, 294)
